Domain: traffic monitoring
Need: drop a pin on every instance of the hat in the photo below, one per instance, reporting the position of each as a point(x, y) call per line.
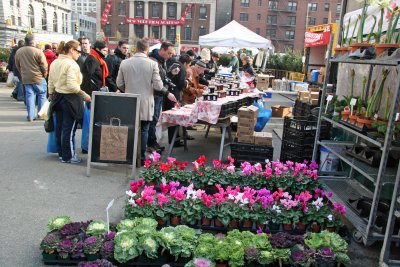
point(205, 54)
point(201, 64)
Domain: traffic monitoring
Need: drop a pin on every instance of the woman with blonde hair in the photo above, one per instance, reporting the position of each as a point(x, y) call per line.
point(65, 79)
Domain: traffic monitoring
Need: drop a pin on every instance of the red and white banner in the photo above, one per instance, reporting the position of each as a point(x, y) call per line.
point(313, 39)
point(106, 11)
point(160, 22)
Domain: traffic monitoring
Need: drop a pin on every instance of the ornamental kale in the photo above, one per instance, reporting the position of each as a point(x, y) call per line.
point(58, 222)
point(71, 229)
point(92, 244)
point(107, 250)
point(66, 247)
point(205, 248)
point(149, 245)
point(252, 254)
point(97, 263)
point(96, 228)
point(50, 242)
point(285, 240)
point(78, 250)
point(126, 246)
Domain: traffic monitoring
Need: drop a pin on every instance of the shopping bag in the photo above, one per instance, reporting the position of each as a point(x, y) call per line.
point(10, 79)
point(43, 111)
point(263, 116)
point(113, 141)
point(52, 146)
point(85, 127)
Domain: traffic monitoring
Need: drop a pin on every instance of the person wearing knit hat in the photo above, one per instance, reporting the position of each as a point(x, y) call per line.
point(195, 89)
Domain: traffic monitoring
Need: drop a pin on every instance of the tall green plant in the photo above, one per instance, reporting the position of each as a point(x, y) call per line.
point(376, 97)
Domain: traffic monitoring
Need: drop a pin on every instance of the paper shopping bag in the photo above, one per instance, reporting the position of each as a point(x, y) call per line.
point(113, 141)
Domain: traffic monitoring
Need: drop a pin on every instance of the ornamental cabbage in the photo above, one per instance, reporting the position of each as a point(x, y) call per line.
point(96, 228)
point(149, 222)
point(261, 242)
point(58, 222)
point(126, 246)
point(126, 225)
point(150, 246)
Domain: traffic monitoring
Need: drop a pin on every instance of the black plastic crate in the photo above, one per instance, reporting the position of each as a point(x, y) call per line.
point(304, 138)
point(285, 156)
point(251, 148)
point(250, 153)
point(304, 124)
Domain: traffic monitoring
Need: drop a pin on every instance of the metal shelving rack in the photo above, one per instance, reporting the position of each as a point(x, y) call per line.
point(344, 188)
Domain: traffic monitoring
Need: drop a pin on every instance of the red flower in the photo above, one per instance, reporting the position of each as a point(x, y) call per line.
point(147, 163)
point(136, 185)
point(201, 160)
point(206, 199)
point(164, 167)
point(278, 194)
point(165, 188)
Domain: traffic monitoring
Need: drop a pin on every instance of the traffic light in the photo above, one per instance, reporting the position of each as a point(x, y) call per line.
point(76, 27)
point(178, 37)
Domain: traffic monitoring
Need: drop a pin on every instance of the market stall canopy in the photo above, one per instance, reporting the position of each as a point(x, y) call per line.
point(226, 49)
point(235, 35)
point(369, 22)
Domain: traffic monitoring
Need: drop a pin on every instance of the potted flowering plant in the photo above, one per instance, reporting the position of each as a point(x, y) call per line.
point(392, 15)
point(208, 209)
point(66, 247)
point(92, 246)
point(49, 245)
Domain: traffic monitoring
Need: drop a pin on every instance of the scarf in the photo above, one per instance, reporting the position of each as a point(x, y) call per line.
point(103, 64)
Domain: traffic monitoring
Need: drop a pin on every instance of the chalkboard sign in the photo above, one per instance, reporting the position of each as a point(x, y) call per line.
point(114, 124)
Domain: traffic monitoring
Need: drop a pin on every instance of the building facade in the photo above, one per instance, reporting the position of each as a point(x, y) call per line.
point(284, 22)
point(224, 13)
point(84, 7)
point(200, 19)
point(49, 20)
point(83, 25)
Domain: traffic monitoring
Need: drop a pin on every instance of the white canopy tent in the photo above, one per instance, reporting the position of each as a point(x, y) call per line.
point(225, 49)
point(235, 35)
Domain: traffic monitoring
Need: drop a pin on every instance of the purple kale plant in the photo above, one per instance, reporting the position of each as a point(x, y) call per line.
point(107, 250)
point(285, 240)
point(71, 229)
point(110, 236)
point(50, 242)
point(66, 247)
point(92, 244)
point(78, 250)
point(97, 263)
point(252, 254)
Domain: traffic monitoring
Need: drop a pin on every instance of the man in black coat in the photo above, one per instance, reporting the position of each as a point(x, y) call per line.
point(18, 92)
point(85, 51)
point(113, 63)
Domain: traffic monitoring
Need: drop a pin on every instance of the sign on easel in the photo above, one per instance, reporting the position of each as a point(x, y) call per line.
point(114, 124)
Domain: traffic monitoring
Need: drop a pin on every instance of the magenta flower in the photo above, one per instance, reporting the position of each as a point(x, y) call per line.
point(268, 172)
point(200, 262)
point(231, 168)
point(339, 208)
point(155, 157)
point(162, 199)
point(313, 165)
point(246, 168)
point(171, 160)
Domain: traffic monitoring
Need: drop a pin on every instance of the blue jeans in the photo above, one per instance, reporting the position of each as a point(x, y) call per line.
point(158, 101)
point(65, 130)
point(144, 126)
point(31, 91)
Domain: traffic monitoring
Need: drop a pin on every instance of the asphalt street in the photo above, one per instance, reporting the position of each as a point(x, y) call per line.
point(35, 185)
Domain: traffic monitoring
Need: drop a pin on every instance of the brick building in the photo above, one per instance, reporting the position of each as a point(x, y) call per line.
point(199, 21)
point(284, 22)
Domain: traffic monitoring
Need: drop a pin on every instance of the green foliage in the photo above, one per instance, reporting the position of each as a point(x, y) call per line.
point(126, 246)
point(326, 239)
point(4, 54)
point(223, 60)
point(58, 222)
point(290, 61)
point(97, 227)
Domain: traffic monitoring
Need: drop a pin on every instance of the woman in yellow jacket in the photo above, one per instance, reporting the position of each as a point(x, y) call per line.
point(66, 96)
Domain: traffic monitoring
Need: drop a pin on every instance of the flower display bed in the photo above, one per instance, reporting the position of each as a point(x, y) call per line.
point(137, 242)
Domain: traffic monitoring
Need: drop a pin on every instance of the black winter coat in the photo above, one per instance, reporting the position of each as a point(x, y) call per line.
point(92, 75)
point(162, 67)
point(113, 63)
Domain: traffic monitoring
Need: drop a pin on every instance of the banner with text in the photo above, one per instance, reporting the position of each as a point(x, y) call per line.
point(106, 11)
point(314, 38)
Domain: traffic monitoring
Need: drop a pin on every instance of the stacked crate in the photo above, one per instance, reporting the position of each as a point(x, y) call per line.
point(299, 136)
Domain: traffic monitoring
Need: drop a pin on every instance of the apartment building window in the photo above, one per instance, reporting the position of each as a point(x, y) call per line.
point(291, 20)
point(272, 4)
point(327, 7)
point(155, 10)
point(289, 35)
point(122, 30)
point(139, 9)
point(18, 3)
point(271, 33)
point(244, 3)
point(338, 9)
point(44, 20)
point(244, 17)
point(325, 21)
point(31, 17)
point(139, 31)
point(171, 10)
point(171, 33)
point(271, 19)
point(11, 3)
point(258, 17)
point(187, 34)
point(312, 6)
point(155, 32)
point(258, 30)
point(311, 21)
point(19, 21)
point(203, 12)
point(107, 30)
point(121, 9)
point(189, 14)
point(202, 31)
point(259, 2)
point(292, 6)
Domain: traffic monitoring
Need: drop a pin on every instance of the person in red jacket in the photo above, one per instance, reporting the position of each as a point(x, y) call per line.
point(50, 55)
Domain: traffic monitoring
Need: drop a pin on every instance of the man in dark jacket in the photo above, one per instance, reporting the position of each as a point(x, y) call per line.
point(85, 51)
point(18, 92)
point(161, 56)
point(113, 63)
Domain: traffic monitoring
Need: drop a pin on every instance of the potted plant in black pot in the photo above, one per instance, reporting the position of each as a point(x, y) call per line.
point(49, 246)
point(92, 246)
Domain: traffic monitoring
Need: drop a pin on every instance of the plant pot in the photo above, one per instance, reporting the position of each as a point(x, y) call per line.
point(274, 226)
point(205, 221)
point(345, 115)
point(260, 226)
point(63, 258)
point(353, 119)
point(287, 227)
point(247, 224)
point(361, 121)
point(221, 264)
point(49, 257)
point(218, 223)
point(233, 224)
point(301, 226)
point(315, 228)
point(92, 257)
point(380, 48)
point(331, 229)
point(151, 183)
point(175, 220)
point(355, 46)
point(161, 222)
point(341, 50)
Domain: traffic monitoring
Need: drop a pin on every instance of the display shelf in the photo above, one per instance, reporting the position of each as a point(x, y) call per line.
point(361, 135)
point(344, 189)
point(389, 62)
point(371, 173)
